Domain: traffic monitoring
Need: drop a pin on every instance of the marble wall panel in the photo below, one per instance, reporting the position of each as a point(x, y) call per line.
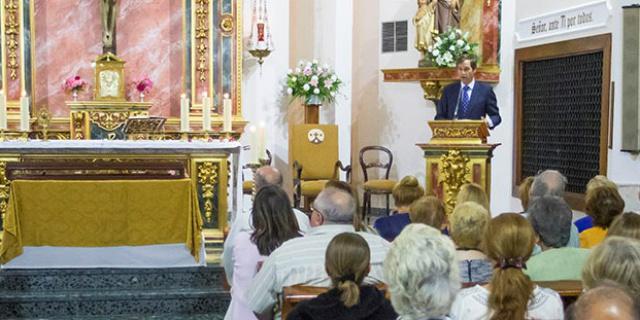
point(67, 40)
point(148, 37)
point(150, 40)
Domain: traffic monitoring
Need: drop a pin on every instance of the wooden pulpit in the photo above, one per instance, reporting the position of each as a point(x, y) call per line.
point(458, 153)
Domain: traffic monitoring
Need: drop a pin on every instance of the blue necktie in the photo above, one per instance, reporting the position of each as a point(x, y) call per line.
point(464, 102)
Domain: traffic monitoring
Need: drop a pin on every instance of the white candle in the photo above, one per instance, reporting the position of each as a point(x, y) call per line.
point(184, 113)
point(3, 111)
point(261, 141)
point(253, 143)
point(226, 114)
point(206, 112)
point(24, 112)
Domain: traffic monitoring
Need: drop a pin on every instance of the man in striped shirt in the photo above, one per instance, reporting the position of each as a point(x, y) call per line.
point(301, 260)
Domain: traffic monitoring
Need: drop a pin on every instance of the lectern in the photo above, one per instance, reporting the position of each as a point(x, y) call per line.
point(458, 153)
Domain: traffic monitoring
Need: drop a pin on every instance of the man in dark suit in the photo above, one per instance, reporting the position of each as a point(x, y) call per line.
point(468, 99)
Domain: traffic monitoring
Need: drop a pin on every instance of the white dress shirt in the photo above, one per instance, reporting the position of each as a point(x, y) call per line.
point(243, 222)
point(301, 261)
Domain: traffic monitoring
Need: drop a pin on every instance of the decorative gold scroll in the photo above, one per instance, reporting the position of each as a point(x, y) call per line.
point(207, 177)
point(202, 36)
point(12, 32)
point(453, 173)
point(4, 189)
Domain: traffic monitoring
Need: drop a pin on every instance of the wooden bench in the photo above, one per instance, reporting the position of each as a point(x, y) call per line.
point(569, 291)
point(295, 294)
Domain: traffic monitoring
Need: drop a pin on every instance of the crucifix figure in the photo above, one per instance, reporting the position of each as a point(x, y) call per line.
point(109, 12)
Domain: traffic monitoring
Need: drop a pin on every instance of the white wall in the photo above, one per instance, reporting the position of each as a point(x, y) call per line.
point(623, 167)
point(262, 91)
point(398, 117)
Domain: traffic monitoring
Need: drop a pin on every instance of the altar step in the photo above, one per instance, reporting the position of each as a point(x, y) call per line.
point(171, 293)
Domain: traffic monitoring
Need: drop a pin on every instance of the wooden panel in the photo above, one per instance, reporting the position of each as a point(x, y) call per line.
point(600, 44)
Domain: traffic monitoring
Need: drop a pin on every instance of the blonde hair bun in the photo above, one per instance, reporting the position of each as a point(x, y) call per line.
point(409, 181)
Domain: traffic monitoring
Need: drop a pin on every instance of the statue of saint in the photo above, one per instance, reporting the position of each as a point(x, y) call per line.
point(424, 20)
point(447, 14)
point(109, 12)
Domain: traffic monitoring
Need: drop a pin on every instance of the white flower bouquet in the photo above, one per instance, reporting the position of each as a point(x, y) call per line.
point(313, 83)
point(449, 46)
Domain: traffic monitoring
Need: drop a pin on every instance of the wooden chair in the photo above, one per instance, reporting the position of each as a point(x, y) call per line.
point(314, 156)
point(295, 294)
point(376, 186)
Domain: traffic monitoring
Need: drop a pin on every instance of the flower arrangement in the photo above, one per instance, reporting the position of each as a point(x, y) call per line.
point(143, 84)
point(313, 83)
point(449, 46)
point(74, 83)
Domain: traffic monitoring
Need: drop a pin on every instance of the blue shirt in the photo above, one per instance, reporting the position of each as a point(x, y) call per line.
point(584, 223)
point(391, 226)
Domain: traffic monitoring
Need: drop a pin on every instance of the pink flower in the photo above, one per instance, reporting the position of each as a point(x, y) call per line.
point(307, 71)
point(74, 83)
point(144, 85)
point(314, 81)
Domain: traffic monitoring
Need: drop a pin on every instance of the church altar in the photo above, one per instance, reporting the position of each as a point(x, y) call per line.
point(203, 164)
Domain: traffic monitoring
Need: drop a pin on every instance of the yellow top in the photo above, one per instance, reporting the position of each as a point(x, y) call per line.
point(592, 237)
point(100, 213)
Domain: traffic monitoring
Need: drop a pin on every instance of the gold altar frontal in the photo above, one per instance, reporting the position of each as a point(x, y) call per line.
point(206, 169)
point(457, 154)
point(101, 213)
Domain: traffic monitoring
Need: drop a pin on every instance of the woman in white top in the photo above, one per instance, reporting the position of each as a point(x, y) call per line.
point(510, 295)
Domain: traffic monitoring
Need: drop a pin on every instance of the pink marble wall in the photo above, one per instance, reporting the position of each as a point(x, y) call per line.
point(67, 40)
point(149, 38)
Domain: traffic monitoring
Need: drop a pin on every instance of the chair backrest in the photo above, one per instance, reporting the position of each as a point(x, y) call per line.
point(384, 164)
point(315, 147)
point(293, 295)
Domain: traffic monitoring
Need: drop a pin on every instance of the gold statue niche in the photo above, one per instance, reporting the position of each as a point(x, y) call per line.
point(109, 78)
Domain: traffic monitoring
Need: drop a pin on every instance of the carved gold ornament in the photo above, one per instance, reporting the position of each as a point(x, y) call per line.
point(202, 36)
point(12, 32)
point(207, 177)
point(109, 121)
point(455, 132)
point(453, 173)
point(226, 24)
point(4, 189)
point(77, 120)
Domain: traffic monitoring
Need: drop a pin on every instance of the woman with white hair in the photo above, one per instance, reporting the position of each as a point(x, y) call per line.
point(422, 273)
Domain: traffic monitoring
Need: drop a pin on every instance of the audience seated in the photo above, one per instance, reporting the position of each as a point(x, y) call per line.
point(422, 273)
point(550, 218)
point(475, 193)
point(552, 183)
point(273, 223)
point(602, 204)
point(404, 194)
point(626, 225)
point(301, 260)
point(509, 241)
point(523, 192)
point(467, 226)
point(358, 225)
point(347, 263)
point(430, 211)
point(264, 176)
point(616, 259)
point(607, 301)
point(597, 181)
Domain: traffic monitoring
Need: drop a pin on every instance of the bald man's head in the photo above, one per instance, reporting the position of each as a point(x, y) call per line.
point(606, 302)
point(548, 183)
point(267, 175)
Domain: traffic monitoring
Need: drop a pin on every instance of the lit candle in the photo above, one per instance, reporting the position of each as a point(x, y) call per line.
point(184, 113)
point(206, 112)
point(24, 112)
point(226, 114)
point(3, 111)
